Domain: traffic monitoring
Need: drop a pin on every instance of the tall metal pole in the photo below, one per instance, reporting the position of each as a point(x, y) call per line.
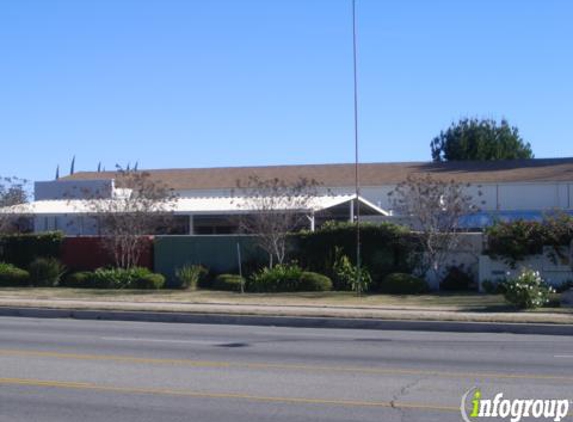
point(357, 174)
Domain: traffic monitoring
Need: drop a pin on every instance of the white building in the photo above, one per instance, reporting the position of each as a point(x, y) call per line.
point(509, 189)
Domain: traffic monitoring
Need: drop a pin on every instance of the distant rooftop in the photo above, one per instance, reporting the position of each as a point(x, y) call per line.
point(371, 174)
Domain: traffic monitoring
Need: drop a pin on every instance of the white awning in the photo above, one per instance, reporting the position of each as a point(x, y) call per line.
point(183, 206)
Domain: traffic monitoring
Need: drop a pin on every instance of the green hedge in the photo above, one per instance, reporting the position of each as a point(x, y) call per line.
point(516, 240)
point(385, 248)
point(405, 284)
point(22, 249)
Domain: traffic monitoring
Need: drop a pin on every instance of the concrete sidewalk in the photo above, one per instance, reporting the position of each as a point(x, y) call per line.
point(308, 316)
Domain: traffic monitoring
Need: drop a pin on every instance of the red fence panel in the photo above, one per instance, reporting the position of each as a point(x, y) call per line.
point(87, 254)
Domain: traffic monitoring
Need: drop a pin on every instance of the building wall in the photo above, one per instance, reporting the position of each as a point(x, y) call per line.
point(70, 225)
point(520, 196)
point(488, 197)
point(527, 196)
point(553, 273)
point(72, 189)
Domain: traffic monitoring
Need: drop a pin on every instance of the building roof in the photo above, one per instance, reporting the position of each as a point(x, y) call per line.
point(201, 205)
point(371, 174)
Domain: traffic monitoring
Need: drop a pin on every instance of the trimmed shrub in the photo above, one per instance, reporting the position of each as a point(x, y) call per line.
point(148, 281)
point(456, 279)
point(11, 275)
point(494, 287)
point(563, 287)
point(253, 264)
point(191, 276)
point(120, 278)
point(314, 282)
point(115, 278)
point(288, 278)
point(228, 282)
point(345, 274)
point(280, 278)
point(528, 290)
point(403, 284)
point(46, 272)
point(111, 278)
point(82, 279)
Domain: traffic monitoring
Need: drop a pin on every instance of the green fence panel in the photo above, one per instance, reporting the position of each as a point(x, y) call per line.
point(217, 253)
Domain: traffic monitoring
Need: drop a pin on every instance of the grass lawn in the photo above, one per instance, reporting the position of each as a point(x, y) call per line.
point(466, 301)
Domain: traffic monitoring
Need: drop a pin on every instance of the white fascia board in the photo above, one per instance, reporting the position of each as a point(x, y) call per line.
point(182, 206)
point(374, 207)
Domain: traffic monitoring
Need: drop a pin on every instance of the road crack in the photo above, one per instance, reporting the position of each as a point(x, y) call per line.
point(394, 402)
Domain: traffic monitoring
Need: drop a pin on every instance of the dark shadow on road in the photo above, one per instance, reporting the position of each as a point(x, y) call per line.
point(231, 345)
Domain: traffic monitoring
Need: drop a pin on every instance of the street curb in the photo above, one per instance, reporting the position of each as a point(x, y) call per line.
point(292, 321)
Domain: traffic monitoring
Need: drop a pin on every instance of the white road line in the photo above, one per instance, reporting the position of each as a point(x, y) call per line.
point(563, 356)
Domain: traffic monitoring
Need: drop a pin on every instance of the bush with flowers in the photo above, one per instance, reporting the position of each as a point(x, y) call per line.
point(528, 290)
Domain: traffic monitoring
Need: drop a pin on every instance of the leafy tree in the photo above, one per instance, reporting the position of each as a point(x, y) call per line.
point(275, 209)
point(482, 140)
point(433, 208)
point(143, 207)
point(12, 192)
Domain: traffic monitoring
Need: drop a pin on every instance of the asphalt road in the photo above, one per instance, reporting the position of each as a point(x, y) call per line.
point(70, 370)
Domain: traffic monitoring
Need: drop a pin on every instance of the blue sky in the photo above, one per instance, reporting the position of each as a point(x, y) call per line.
point(253, 82)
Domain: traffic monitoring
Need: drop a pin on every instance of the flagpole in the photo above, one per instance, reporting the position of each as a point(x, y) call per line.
point(356, 168)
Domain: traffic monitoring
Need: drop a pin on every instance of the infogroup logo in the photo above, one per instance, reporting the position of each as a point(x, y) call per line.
point(512, 409)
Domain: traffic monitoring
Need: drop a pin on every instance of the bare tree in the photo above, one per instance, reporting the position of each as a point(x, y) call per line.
point(434, 209)
point(274, 209)
point(12, 192)
point(140, 207)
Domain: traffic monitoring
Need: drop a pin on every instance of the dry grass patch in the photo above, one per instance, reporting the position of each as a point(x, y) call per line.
point(446, 301)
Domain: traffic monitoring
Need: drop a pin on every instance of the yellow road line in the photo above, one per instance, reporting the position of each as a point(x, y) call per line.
point(201, 394)
point(314, 368)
